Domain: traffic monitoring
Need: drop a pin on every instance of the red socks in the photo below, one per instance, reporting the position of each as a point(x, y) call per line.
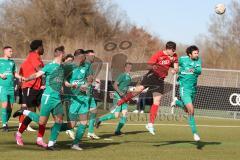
point(22, 128)
point(21, 118)
point(153, 113)
point(26, 121)
point(41, 130)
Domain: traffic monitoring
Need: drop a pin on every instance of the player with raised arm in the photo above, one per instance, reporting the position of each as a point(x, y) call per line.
point(190, 67)
point(31, 90)
point(79, 106)
point(7, 74)
point(159, 65)
point(50, 101)
point(121, 86)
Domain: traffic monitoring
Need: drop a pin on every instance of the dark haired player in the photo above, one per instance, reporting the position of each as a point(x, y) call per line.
point(190, 67)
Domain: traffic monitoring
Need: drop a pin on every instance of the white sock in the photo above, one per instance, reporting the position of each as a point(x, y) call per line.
point(50, 143)
point(150, 125)
point(4, 125)
point(39, 138)
point(26, 112)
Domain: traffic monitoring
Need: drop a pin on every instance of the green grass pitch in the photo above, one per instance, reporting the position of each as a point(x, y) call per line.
point(220, 139)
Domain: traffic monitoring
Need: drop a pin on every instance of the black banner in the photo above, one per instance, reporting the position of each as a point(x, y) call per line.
point(211, 98)
point(217, 98)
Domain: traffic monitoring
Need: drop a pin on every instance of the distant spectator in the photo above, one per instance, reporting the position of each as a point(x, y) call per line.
point(141, 103)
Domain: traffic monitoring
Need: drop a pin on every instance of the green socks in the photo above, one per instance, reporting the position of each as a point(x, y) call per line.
point(191, 120)
point(34, 116)
point(4, 116)
point(192, 124)
point(55, 131)
point(9, 112)
point(79, 134)
point(107, 117)
point(91, 122)
point(64, 127)
point(121, 124)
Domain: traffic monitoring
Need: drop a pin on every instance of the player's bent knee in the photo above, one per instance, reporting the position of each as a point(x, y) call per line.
point(192, 113)
point(83, 122)
point(94, 110)
point(4, 105)
point(139, 88)
point(58, 120)
point(43, 120)
point(72, 124)
point(116, 114)
point(124, 113)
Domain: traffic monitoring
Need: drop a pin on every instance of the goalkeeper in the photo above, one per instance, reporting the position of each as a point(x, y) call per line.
point(190, 68)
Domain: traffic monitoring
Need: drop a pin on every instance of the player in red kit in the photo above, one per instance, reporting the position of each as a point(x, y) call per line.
point(31, 90)
point(159, 65)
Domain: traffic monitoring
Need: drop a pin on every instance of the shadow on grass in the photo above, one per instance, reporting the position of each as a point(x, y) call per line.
point(10, 129)
point(199, 145)
point(15, 128)
point(63, 145)
point(124, 133)
point(28, 146)
point(86, 144)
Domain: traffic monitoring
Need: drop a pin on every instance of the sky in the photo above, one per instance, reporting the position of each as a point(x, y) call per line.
point(181, 21)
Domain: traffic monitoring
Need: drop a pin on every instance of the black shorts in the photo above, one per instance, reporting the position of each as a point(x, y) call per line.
point(155, 83)
point(32, 97)
point(19, 96)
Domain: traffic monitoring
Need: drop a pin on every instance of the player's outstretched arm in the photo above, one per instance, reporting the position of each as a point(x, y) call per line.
point(67, 84)
point(18, 76)
point(175, 68)
point(198, 68)
point(35, 75)
point(115, 86)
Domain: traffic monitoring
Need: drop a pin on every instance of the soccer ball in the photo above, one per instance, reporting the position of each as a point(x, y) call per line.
point(220, 8)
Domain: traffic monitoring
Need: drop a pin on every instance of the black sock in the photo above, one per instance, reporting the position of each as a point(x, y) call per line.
point(27, 121)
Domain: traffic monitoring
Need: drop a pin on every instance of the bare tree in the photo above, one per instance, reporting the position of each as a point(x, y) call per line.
point(221, 45)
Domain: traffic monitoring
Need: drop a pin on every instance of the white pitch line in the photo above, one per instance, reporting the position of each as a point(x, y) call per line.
point(163, 124)
point(180, 125)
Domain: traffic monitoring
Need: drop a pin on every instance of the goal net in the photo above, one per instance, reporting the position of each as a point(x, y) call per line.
point(218, 91)
point(218, 94)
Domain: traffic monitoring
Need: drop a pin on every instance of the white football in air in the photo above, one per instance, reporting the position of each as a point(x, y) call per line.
point(220, 8)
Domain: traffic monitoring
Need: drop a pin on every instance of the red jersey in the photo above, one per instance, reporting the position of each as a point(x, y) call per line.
point(29, 67)
point(163, 63)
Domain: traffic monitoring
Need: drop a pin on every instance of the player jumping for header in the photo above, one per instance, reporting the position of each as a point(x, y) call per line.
point(190, 67)
point(159, 65)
